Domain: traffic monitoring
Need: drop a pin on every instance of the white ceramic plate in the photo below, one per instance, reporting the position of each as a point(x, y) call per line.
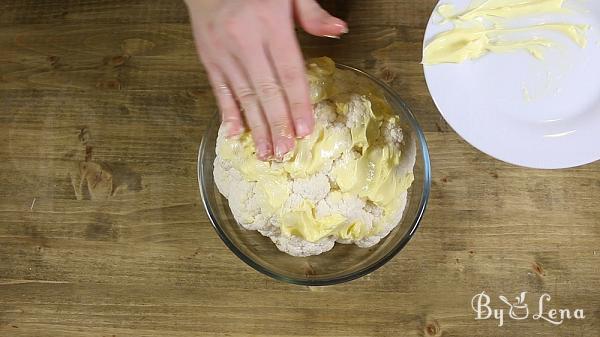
point(527, 112)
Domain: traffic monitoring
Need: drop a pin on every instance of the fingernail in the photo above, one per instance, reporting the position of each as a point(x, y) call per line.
point(264, 151)
point(332, 37)
point(236, 133)
point(342, 27)
point(280, 151)
point(233, 130)
point(302, 129)
point(227, 127)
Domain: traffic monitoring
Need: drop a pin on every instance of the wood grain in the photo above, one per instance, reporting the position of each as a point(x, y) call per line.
point(117, 85)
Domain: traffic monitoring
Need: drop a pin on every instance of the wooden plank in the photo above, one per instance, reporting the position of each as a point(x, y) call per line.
point(387, 12)
point(84, 12)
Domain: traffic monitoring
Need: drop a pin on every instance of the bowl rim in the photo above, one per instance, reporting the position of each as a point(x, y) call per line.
point(373, 266)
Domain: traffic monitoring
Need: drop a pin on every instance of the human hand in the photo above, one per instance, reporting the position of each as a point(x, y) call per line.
point(253, 60)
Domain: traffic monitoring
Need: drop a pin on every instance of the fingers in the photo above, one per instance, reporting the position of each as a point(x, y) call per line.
point(268, 90)
point(230, 112)
point(272, 100)
point(230, 83)
point(256, 69)
point(289, 65)
point(316, 21)
point(248, 100)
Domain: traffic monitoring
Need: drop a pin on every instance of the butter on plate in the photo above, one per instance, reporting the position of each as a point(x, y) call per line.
point(481, 29)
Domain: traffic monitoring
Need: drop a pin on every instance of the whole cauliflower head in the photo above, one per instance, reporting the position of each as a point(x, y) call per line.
point(347, 182)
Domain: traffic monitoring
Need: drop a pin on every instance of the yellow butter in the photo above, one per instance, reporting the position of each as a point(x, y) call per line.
point(271, 182)
point(311, 153)
point(272, 191)
point(374, 176)
point(506, 9)
point(367, 129)
point(319, 72)
point(303, 223)
point(355, 231)
point(472, 39)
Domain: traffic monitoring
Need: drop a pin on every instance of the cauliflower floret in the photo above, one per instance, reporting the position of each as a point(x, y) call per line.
point(407, 162)
point(388, 227)
point(241, 195)
point(295, 246)
point(352, 207)
point(392, 134)
point(313, 188)
point(356, 114)
point(325, 112)
point(223, 174)
point(409, 155)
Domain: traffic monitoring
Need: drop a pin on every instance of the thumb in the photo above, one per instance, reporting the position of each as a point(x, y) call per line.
point(316, 21)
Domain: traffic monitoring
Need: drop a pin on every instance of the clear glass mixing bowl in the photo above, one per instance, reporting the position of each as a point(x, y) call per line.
point(344, 262)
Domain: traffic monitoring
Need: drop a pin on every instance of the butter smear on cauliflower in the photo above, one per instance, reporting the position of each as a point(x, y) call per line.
point(347, 182)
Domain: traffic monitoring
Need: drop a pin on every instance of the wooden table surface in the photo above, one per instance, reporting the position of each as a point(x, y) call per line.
point(102, 232)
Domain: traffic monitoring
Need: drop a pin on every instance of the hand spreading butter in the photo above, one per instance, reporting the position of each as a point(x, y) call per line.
point(347, 182)
point(481, 30)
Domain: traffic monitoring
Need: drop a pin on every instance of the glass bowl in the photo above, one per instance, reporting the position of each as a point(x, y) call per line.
point(344, 262)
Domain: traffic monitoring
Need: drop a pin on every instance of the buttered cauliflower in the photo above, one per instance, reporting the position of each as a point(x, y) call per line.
point(347, 182)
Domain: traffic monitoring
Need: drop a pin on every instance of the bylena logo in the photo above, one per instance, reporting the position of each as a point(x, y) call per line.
point(519, 310)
